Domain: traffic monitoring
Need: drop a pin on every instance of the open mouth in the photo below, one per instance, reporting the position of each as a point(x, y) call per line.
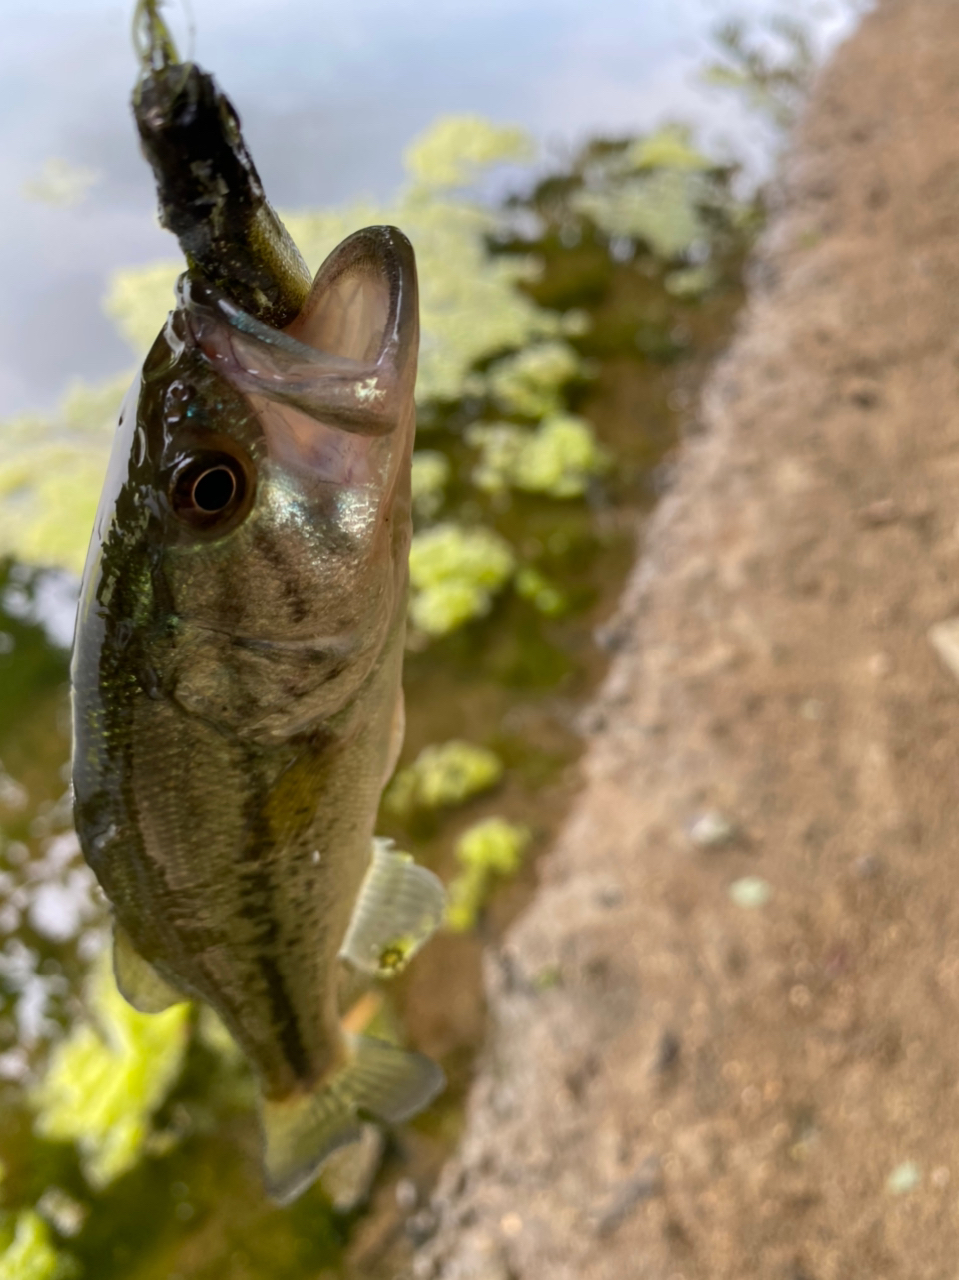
point(333, 391)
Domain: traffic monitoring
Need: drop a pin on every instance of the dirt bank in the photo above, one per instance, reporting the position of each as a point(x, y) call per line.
point(682, 1078)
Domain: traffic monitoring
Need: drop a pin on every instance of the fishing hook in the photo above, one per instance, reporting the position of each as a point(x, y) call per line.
point(152, 41)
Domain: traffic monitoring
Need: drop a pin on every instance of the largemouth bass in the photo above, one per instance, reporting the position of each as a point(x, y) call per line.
point(237, 665)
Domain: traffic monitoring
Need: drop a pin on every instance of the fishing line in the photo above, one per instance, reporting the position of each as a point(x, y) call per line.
point(153, 41)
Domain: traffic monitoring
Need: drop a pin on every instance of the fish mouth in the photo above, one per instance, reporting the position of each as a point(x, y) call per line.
point(337, 382)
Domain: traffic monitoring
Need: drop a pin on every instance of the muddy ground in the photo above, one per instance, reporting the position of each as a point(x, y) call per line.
point(734, 1053)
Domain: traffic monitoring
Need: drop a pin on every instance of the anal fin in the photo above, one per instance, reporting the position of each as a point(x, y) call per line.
point(137, 980)
point(378, 1080)
point(399, 907)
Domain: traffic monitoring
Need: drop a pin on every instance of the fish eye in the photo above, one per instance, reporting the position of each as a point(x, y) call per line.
point(214, 490)
point(209, 489)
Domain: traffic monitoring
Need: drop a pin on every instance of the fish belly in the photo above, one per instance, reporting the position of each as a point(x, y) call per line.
point(234, 866)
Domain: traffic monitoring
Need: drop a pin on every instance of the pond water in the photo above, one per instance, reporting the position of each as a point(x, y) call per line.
point(129, 1148)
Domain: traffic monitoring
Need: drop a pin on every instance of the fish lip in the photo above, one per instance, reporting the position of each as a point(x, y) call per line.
point(360, 397)
point(265, 362)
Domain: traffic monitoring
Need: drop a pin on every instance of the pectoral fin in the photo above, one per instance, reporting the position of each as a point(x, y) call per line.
point(377, 1078)
point(137, 981)
point(400, 906)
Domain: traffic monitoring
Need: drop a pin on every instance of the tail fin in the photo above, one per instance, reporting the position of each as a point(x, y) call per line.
point(389, 1083)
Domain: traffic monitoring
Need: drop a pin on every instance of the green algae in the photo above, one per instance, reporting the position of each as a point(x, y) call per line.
point(29, 1252)
point(543, 595)
point(443, 774)
point(531, 381)
point(663, 209)
point(107, 1078)
point(60, 183)
point(670, 147)
point(457, 149)
point(51, 473)
point(455, 572)
point(490, 850)
point(690, 282)
point(559, 458)
point(429, 477)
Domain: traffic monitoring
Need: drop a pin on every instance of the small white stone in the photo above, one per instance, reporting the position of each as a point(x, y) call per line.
point(904, 1178)
point(750, 892)
point(711, 830)
point(511, 1224)
point(944, 638)
point(406, 1195)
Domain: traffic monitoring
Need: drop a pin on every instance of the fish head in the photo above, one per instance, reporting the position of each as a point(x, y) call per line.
point(249, 560)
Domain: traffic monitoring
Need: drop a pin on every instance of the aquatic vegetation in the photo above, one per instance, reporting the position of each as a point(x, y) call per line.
point(662, 209)
point(456, 150)
point(51, 471)
point(558, 458)
point(544, 595)
point(431, 472)
point(444, 774)
point(670, 147)
point(489, 850)
point(530, 382)
point(107, 1078)
point(60, 183)
point(455, 572)
point(28, 1253)
point(137, 299)
point(662, 193)
point(690, 282)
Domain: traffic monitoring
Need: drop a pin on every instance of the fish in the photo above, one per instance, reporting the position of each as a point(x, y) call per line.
point(237, 664)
